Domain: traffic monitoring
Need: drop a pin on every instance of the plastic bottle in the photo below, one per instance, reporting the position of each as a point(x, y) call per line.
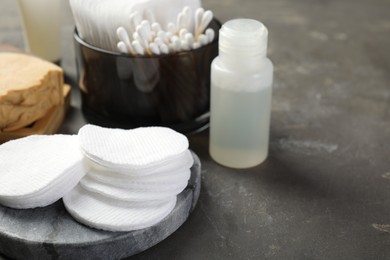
point(241, 90)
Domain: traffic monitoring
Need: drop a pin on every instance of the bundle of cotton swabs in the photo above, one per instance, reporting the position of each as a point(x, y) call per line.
point(131, 27)
point(149, 38)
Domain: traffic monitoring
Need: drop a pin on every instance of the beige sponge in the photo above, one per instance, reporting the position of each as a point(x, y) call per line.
point(29, 87)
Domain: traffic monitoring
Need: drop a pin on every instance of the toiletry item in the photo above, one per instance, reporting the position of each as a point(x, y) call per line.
point(179, 37)
point(133, 177)
point(114, 215)
point(41, 20)
point(241, 90)
point(97, 21)
point(29, 88)
point(134, 151)
point(37, 170)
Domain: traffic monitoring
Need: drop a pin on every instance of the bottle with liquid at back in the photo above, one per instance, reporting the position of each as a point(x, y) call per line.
point(241, 91)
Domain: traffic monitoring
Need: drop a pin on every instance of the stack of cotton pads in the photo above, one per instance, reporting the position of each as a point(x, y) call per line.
point(133, 179)
point(38, 170)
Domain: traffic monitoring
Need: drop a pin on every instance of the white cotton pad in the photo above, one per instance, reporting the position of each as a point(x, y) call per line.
point(48, 195)
point(162, 181)
point(172, 173)
point(137, 192)
point(183, 161)
point(135, 149)
point(103, 213)
point(38, 170)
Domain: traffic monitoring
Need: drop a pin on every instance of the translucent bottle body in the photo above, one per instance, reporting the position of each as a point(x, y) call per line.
point(240, 117)
point(241, 91)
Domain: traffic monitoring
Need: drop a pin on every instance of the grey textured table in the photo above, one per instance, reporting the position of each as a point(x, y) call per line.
point(324, 191)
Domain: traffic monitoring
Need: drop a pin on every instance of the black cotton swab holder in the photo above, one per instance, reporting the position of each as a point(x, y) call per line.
point(124, 91)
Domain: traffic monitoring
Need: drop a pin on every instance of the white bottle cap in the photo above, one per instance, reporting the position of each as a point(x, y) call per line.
point(244, 37)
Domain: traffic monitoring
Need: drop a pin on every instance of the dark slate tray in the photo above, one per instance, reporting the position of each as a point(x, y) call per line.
point(51, 233)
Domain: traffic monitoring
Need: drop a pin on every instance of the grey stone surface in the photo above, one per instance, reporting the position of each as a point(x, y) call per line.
point(51, 233)
point(324, 191)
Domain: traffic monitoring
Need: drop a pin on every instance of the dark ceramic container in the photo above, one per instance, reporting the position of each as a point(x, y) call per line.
point(126, 92)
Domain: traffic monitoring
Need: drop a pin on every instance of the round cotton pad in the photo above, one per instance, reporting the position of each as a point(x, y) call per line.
point(183, 161)
point(103, 213)
point(136, 193)
point(135, 149)
point(150, 182)
point(37, 170)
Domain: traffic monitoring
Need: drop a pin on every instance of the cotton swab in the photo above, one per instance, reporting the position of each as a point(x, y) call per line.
point(122, 47)
point(181, 21)
point(141, 37)
point(156, 27)
point(210, 34)
point(198, 18)
point(176, 44)
point(97, 22)
point(124, 37)
point(171, 27)
point(158, 41)
point(164, 36)
point(187, 17)
point(147, 29)
point(182, 33)
point(135, 20)
point(206, 19)
point(202, 39)
point(189, 39)
point(138, 47)
point(149, 38)
point(154, 48)
point(196, 45)
point(164, 48)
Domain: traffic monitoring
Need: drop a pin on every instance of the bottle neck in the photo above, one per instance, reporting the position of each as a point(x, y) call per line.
point(243, 44)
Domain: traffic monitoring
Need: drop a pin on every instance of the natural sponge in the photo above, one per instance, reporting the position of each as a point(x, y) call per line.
point(29, 87)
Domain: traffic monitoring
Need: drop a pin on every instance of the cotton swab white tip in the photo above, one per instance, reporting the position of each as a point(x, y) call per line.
point(156, 27)
point(124, 37)
point(122, 47)
point(202, 39)
point(206, 19)
point(147, 29)
point(203, 23)
point(168, 35)
point(182, 33)
point(138, 47)
point(150, 38)
point(164, 48)
point(158, 41)
point(184, 45)
point(187, 17)
point(142, 35)
point(198, 18)
point(171, 27)
point(176, 43)
point(196, 45)
point(164, 36)
point(189, 39)
point(210, 34)
point(154, 48)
